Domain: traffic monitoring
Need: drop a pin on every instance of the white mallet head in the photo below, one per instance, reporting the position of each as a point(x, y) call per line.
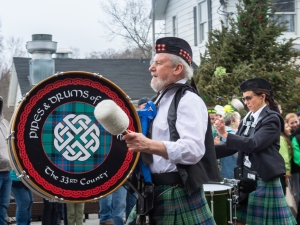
point(111, 117)
point(237, 104)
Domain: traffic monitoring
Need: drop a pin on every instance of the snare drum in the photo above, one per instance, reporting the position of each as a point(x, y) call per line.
point(219, 198)
point(60, 148)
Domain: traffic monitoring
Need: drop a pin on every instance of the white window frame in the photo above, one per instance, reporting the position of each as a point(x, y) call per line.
point(175, 26)
point(202, 21)
point(293, 13)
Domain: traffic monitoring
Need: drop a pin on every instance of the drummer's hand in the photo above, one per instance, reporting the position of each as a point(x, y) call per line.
point(137, 142)
point(220, 127)
point(216, 140)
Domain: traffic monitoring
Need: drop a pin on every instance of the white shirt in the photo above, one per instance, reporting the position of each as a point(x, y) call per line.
point(257, 113)
point(191, 125)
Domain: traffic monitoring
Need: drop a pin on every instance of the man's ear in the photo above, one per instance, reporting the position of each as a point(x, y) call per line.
point(178, 69)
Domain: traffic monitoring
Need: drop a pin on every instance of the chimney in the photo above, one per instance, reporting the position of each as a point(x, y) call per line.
point(41, 64)
point(63, 53)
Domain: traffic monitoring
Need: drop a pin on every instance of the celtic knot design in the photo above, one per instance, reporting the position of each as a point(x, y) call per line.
point(87, 132)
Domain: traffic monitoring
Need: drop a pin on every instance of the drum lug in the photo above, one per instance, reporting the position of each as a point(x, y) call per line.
point(98, 75)
point(23, 175)
point(23, 98)
point(10, 137)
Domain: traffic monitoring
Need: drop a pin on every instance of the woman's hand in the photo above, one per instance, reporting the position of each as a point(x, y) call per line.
point(220, 127)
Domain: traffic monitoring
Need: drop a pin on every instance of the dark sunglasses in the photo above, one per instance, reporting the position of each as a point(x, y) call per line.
point(248, 98)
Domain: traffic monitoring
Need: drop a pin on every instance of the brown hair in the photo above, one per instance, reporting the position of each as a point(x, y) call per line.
point(269, 100)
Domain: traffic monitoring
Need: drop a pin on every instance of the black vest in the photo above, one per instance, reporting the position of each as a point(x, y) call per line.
point(193, 176)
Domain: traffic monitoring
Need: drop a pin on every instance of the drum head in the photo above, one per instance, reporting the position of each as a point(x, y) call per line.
point(59, 145)
point(215, 187)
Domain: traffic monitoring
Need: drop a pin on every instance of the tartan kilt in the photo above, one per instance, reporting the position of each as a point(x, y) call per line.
point(176, 207)
point(266, 206)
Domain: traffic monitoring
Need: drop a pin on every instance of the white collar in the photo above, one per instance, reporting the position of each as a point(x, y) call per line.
point(257, 113)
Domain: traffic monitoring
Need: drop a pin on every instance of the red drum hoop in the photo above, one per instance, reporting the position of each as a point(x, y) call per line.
point(59, 147)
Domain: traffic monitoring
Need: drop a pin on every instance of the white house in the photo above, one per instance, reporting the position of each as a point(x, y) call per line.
point(192, 19)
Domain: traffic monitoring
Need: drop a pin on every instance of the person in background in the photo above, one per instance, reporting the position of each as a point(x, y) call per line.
point(112, 207)
point(298, 114)
point(5, 167)
point(142, 102)
point(286, 151)
point(49, 215)
point(24, 201)
point(75, 212)
point(212, 114)
point(293, 121)
point(233, 120)
point(227, 164)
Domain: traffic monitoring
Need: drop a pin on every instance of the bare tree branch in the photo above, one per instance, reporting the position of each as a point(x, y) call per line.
point(75, 52)
point(130, 22)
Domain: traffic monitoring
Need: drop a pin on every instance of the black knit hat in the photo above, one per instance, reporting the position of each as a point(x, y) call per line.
point(143, 100)
point(175, 46)
point(257, 84)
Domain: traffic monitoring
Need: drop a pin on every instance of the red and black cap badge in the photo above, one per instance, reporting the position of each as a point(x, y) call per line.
point(175, 46)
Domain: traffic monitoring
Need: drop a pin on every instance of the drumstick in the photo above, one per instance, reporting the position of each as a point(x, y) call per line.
point(111, 117)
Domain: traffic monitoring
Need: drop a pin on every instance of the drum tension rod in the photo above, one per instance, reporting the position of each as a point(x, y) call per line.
point(212, 203)
point(10, 136)
point(23, 175)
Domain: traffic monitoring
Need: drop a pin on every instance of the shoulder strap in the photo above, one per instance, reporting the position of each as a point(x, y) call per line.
point(186, 86)
point(172, 113)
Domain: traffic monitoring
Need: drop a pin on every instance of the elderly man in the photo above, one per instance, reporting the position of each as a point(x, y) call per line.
point(180, 153)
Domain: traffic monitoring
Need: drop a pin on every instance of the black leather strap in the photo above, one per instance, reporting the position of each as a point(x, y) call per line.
point(166, 178)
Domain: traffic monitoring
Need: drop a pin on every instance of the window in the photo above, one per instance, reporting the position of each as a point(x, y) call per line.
point(195, 26)
point(174, 26)
point(202, 9)
point(286, 12)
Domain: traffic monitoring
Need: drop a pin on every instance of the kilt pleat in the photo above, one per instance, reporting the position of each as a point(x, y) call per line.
point(266, 206)
point(176, 207)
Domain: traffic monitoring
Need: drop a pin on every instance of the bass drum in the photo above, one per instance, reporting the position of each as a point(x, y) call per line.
point(59, 148)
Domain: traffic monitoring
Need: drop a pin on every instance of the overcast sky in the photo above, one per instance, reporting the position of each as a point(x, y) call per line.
point(70, 22)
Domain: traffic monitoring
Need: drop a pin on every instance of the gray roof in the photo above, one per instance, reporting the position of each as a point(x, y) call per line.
point(131, 75)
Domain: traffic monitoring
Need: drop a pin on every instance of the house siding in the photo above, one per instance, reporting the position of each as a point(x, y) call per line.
point(183, 10)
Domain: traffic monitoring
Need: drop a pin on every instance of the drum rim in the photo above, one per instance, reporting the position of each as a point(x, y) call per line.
point(12, 147)
point(218, 192)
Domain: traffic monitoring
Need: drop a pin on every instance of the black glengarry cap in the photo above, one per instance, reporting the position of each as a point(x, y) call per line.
point(175, 46)
point(256, 84)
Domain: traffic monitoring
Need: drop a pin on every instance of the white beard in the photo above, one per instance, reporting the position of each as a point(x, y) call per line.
point(159, 84)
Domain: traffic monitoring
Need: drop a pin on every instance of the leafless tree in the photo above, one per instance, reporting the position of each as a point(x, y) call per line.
point(2, 63)
point(15, 47)
point(129, 53)
point(131, 22)
point(75, 52)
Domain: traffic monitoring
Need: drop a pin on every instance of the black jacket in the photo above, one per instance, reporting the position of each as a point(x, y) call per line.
point(262, 146)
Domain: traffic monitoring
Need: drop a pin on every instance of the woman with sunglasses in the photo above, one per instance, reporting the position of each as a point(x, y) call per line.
point(260, 165)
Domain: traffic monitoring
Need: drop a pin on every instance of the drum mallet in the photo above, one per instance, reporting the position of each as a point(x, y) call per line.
point(116, 121)
point(111, 117)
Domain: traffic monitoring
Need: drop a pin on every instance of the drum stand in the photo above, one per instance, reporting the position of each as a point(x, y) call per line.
point(234, 198)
